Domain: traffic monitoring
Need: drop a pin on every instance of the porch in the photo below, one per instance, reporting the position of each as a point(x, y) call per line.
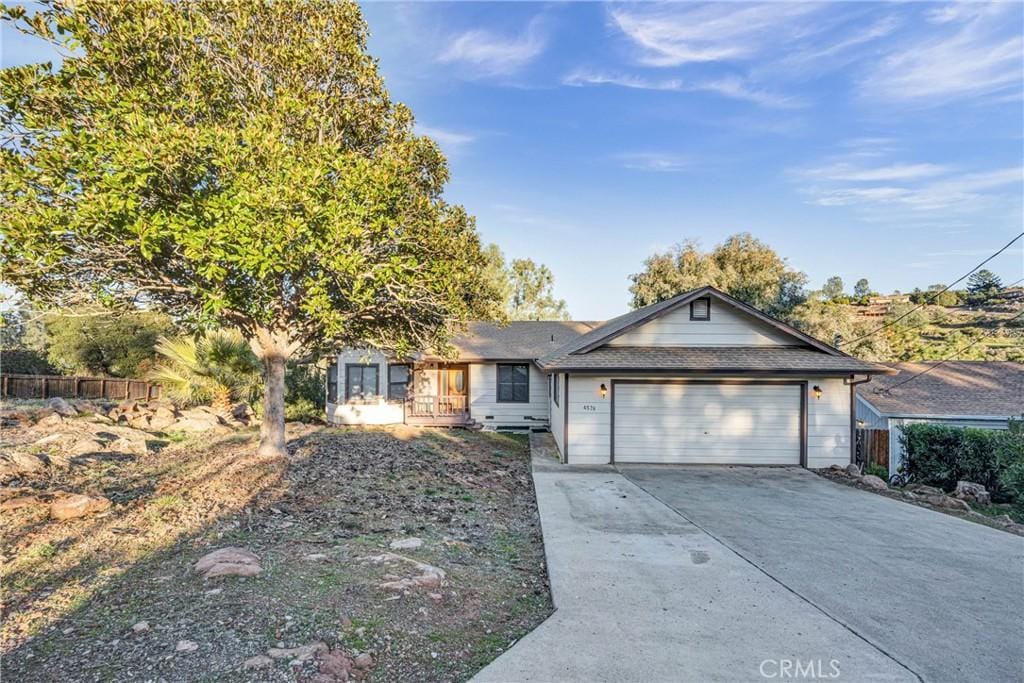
point(438, 395)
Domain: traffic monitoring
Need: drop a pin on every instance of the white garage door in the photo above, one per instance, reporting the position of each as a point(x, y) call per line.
point(738, 424)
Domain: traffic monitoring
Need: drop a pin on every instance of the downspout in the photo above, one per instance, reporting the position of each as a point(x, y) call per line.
point(853, 382)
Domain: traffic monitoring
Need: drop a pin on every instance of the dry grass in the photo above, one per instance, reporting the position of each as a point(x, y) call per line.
point(72, 590)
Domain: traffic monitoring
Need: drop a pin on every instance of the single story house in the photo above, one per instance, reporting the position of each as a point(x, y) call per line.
point(699, 378)
point(983, 394)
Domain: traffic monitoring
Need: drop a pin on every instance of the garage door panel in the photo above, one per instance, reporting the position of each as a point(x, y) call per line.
point(707, 423)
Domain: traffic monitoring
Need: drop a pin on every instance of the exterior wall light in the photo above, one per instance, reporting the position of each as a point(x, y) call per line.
point(817, 391)
point(603, 390)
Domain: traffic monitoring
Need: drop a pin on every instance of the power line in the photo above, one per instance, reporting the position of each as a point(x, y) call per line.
point(934, 295)
point(955, 355)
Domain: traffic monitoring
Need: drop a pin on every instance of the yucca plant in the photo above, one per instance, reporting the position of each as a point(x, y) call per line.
point(217, 368)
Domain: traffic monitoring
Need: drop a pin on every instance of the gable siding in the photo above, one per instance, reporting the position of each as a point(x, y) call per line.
point(483, 399)
point(557, 412)
point(727, 327)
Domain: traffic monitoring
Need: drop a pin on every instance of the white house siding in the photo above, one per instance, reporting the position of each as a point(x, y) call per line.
point(588, 433)
point(558, 412)
point(485, 408)
point(727, 327)
point(868, 417)
point(828, 423)
point(379, 412)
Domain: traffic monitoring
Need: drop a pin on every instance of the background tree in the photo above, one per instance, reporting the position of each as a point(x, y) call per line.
point(833, 288)
point(983, 285)
point(741, 266)
point(533, 296)
point(240, 164)
point(95, 341)
point(862, 289)
point(525, 287)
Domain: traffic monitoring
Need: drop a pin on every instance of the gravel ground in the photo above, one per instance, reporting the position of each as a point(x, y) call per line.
point(73, 590)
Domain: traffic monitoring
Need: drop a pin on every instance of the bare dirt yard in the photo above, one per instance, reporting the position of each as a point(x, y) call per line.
point(114, 594)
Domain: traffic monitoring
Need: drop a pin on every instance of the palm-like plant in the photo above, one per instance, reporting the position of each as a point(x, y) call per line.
point(217, 368)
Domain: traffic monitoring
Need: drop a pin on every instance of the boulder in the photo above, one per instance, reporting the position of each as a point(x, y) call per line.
point(50, 421)
point(424, 575)
point(141, 627)
point(335, 667)
point(196, 420)
point(944, 501)
point(20, 502)
point(363, 660)
point(228, 562)
point(410, 543)
point(853, 470)
point(61, 407)
point(26, 463)
point(873, 482)
point(242, 412)
point(163, 417)
point(973, 493)
point(130, 444)
point(77, 505)
point(84, 447)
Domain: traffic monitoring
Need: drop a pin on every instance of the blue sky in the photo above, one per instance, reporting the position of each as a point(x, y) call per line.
point(865, 140)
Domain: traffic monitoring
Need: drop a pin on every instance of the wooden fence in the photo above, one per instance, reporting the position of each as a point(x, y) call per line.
point(49, 386)
point(873, 447)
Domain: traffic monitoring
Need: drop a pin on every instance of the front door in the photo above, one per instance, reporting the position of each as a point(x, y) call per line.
point(453, 389)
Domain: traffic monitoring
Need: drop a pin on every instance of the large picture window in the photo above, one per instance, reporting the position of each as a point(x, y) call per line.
point(514, 383)
point(398, 382)
point(362, 382)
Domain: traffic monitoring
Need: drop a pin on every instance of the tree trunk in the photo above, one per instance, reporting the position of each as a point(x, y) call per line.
point(272, 424)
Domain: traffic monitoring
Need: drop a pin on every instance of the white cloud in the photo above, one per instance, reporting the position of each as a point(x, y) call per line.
point(732, 87)
point(663, 162)
point(672, 35)
point(492, 54)
point(584, 77)
point(849, 172)
point(974, 55)
point(447, 139)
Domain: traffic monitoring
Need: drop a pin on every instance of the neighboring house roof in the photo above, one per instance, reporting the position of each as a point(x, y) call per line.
point(953, 388)
point(707, 359)
point(525, 340)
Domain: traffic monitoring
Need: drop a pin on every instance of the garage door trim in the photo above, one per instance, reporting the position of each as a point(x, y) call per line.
point(803, 403)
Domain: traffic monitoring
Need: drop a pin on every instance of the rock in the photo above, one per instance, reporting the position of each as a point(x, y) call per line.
point(299, 654)
point(923, 490)
point(26, 463)
point(426, 576)
point(257, 662)
point(186, 646)
point(141, 627)
point(77, 505)
point(196, 420)
point(436, 597)
point(163, 417)
point(407, 543)
point(853, 470)
point(61, 407)
point(315, 557)
point(363, 660)
point(242, 412)
point(51, 421)
point(20, 502)
point(83, 447)
point(1004, 519)
point(132, 445)
point(975, 493)
point(944, 501)
point(873, 482)
point(228, 562)
point(335, 666)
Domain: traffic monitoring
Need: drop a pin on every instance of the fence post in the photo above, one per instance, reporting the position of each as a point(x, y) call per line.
point(78, 387)
point(5, 389)
point(103, 388)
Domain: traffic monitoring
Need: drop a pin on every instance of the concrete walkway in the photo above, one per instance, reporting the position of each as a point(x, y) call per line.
point(641, 594)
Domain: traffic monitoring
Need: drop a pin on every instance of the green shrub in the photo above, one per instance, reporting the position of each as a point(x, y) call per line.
point(877, 470)
point(940, 455)
point(304, 393)
point(1012, 481)
point(25, 362)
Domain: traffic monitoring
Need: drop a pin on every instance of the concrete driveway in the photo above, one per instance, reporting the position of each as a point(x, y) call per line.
point(679, 574)
point(942, 596)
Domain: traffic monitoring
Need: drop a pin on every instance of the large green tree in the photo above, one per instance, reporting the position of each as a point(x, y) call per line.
point(742, 266)
point(95, 341)
point(238, 163)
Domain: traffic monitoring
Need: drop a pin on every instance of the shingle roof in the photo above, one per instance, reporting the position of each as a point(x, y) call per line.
point(952, 388)
point(711, 359)
point(525, 340)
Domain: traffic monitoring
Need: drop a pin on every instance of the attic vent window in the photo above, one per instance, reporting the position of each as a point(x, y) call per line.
point(700, 309)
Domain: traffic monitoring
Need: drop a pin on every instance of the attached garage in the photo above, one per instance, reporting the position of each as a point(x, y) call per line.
point(708, 422)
